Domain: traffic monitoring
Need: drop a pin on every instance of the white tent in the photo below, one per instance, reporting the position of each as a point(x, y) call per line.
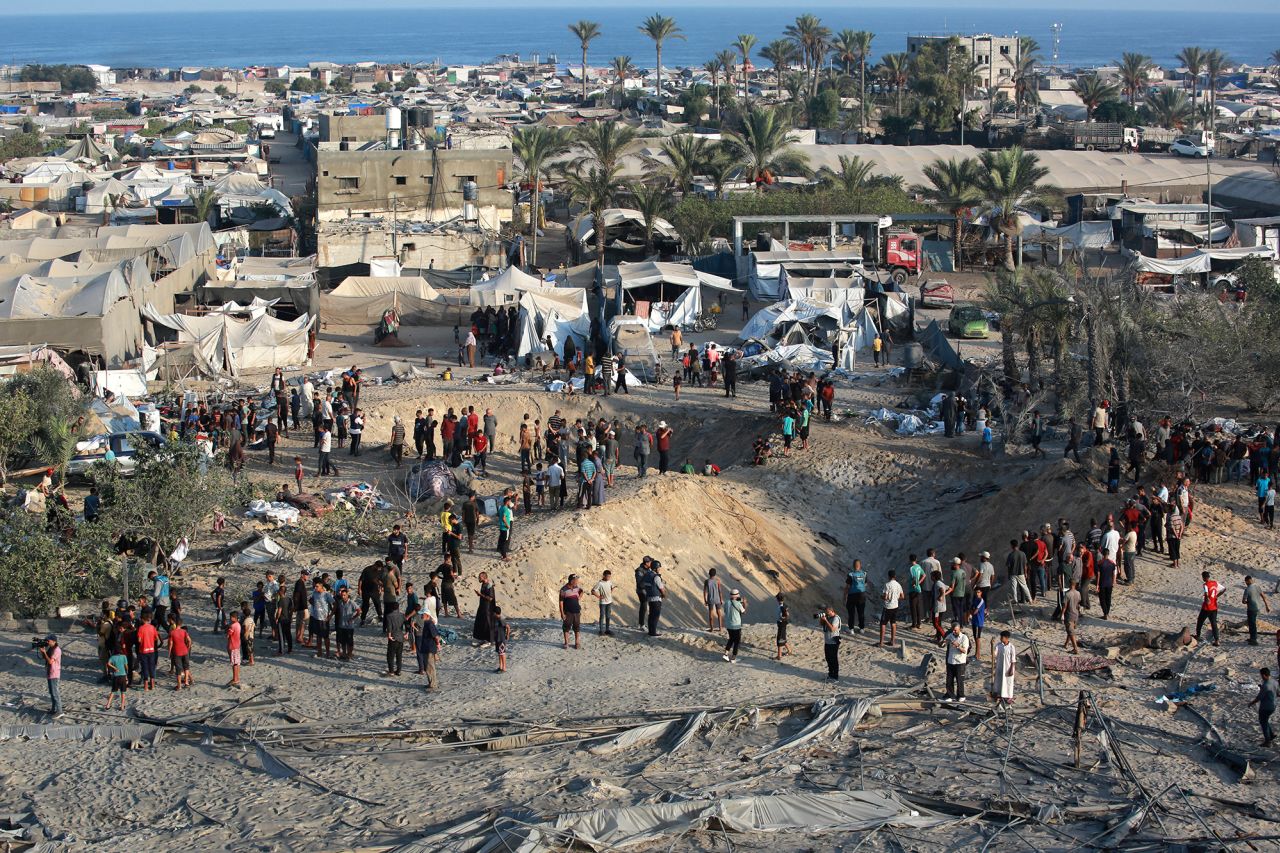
point(507, 288)
point(1081, 235)
point(765, 269)
point(679, 290)
point(223, 344)
point(836, 291)
point(1198, 262)
point(544, 321)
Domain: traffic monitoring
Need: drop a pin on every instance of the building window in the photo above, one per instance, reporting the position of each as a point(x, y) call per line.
point(1004, 49)
point(325, 173)
point(409, 247)
point(348, 183)
point(462, 180)
point(400, 180)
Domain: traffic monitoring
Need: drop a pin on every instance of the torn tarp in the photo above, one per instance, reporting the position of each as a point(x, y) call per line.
point(830, 719)
point(631, 737)
point(264, 550)
point(88, 734)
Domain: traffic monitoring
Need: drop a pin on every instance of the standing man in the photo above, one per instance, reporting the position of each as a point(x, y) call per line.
point(490, 425)
point(603, 591)
point(1106, 582)
point(395, 628)
point(470, 344)
point(731, 375)
point(347, 615)
point(1209, 606)
point(397, 439)
point(283, 621)
point(397, 547)
point(855, 596)
point(733, 624)
point(300, 587)
point(957, 658)
point(506, 518)
point(319, 607)
point(890, 597)
point(1254, 600)
point(830, 623)
point(1075, 434)
point(642, 590)
point(663, 438)
point(713, 598)
point(657, 590)
point(160, 595)
point(1071, 618)
point(273, 438)
point(1266, 702)
point(52, 655)
point(915, 590)
point(429, 648)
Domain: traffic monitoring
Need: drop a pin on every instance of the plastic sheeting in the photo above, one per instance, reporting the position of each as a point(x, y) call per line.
point(224, 344)
point(647, 273)
point(542, 320)
point(794, 357)
point(1198, 262)
point(1081, 235)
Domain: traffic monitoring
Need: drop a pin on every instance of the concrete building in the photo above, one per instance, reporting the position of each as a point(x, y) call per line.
point(996, 56)
point(355, 130)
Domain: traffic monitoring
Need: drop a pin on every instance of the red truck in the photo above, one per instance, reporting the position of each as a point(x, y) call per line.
point(902, 255)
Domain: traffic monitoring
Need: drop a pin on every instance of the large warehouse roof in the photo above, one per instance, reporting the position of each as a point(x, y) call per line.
point(1070, 171)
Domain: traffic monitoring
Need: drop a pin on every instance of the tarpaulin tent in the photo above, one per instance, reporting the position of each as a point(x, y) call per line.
point(765, 269)
point(764, 322)
point(224, 344)
point(92, 311)
point(291, 281)
point(835, 291)
point(362, 300)
point(1081, 235)
point(673, 291)
point(938, 348)
point(544, 321)
point(624, 229)
point(507, 288)
point(1198, 262)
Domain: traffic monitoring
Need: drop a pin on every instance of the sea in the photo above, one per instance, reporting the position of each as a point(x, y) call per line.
point(460, 35)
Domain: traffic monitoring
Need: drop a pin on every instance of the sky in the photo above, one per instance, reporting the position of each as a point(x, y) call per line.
point(57, 7)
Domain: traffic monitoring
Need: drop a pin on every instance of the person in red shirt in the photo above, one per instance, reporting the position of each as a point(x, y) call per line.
point(1209, 606)
point(180, 650)
point(663, 437)
point(233, 647)
point(148, 642)
point(480, 447)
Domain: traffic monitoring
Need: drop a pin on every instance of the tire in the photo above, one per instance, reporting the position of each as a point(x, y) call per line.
point(899, 276)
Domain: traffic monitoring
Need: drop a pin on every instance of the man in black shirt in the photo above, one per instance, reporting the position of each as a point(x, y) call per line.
point(301, 589)
point(370, 581)
point(283, 616)
point(395, 637)
point(471, 519)
point(448, 598)
point(397, 547)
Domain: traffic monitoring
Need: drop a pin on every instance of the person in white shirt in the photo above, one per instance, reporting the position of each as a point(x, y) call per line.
point(830, 623)
point(957, 658)
point(603, 591)
point(1003, 669)
point(891, 596)
point(555, 482)
point(1111, 540)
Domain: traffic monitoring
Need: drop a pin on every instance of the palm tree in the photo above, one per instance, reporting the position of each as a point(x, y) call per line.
point(1215, 63)
point(844, 48)
point(954, 186)
point(850, 177)
point(686, 154)
point(652, 201)
point(594, 187)
point(1193, 59)
point(1169, 108)
point(696, 104)
point(535, 146)
point(813, 39)
point(1092, 90)
point(205, 202)
point(712, 67)
point(587, 32)
point(781, 53)
point(895, 70)
point(603, 142)
point(1025, 92)
point(1134, 68)
point(660, 28)
point(862, 52)
point(744, 44)
point(762, 147)
point(1010, 178)
point(728, 59)
point(720, 166)
point(622, 69)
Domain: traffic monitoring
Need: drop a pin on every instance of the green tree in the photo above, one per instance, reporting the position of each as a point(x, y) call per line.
point(696, 104)
point(535, 146)
point(594, 187)
point(1169, 108)
point(17, 425)
point(204, 203)
point(1193, 59)
point(720, 168)
point(622, 69)
point(895, 71)
point(781, 53)
point(852, 176)
point(585, 32)
point(712, 67)
point(1092, 90)
point(660, 29)
point(221, 91)
point(653, 201)
point(1010, 179)
point(382, 87)
point(21, 145)
point(1135, 68)
point(854, 46)
point(172, 490)
point(1117, 112)
point(276, 87)
point(684, 154)
point(814, 39)
point(44, 567)
point(408, 81)
point(72, 78)
point(341, 85)
point(1215, 65)
point(824, 109)
point(744, 44)
point(955, 186)
point(763, 147)
point(604, 142)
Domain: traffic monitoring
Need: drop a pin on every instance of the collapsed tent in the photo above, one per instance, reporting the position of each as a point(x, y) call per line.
point(288, 281)
point(545, 324)
point(430, 481)
point(1198, 262)
point(624, 232)
point(668, 294)
point(771, 322)
point(633, 341)
point(223, 344)
point(362, 300)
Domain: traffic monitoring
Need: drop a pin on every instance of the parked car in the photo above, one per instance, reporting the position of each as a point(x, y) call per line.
point(266, 132)
point(968, 321)
point(1184, 147)
point(124, 445)
point(937, 293)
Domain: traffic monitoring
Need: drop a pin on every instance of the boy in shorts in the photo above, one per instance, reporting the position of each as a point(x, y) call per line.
point(540, 484)
point(118, 670)
point(180, 652)
point(784, 619)
point(501, 633)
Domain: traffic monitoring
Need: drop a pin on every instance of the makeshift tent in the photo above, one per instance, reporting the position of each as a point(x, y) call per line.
point(224, 344)
point(764, 323)
point(1198, 262)
point(835, 291)
point(673, 291)
point(361, 300)
point(765, 269)
point(624, 230)
point(545, 324)
point(938, 348)
point(1081, 235)
point(507, 288)
point(92, 311)
point(858, 335)
point(290, 281)
point(20, 359)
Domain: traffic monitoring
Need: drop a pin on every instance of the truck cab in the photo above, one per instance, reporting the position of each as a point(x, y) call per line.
point(902, 252)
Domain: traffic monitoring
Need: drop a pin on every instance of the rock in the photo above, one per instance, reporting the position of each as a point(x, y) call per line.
point(70, 611)
point(1113, 653)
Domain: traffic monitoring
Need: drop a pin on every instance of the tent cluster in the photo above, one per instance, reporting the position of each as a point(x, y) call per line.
point(222, 343)
point(806, 334)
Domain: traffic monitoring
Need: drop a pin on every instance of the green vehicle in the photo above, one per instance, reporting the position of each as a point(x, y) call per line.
point(967, 321)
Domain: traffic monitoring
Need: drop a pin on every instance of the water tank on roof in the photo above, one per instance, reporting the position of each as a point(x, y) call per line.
point(393, 118)
point(470, 191)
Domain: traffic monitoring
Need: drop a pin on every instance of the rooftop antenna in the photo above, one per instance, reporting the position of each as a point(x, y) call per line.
point(1057, 39)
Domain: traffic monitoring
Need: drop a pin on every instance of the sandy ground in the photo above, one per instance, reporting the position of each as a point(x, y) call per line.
point(371, 762)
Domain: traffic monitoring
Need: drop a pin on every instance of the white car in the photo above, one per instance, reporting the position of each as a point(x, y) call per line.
point(1188, 148)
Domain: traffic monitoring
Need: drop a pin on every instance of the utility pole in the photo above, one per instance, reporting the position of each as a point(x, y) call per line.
point(1208, 184)
point(395, 245)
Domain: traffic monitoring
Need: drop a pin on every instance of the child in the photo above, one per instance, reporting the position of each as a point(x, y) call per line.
point(526, 488)
point(118, 669)
point(710, 469)
point(501, 633)
point(759, 451)
point(180, 652)
point(540, 480)
point(233, 647)
point(788, 432)
point(248, 628)
point(986, 441)
point(297, 472)
point(259, 604)
point(219, 596)
point(675, 383)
